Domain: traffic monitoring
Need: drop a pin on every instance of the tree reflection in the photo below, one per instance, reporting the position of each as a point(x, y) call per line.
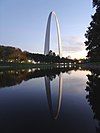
point(14, 77)
point(93, 97)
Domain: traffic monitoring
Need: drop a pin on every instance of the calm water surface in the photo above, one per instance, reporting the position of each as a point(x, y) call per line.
point(55, 101)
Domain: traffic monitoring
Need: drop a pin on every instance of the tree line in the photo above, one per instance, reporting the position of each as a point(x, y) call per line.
point(12, 54)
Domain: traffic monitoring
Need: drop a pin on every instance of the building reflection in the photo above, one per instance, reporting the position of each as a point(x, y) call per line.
point(54, 114)
point(93, 97)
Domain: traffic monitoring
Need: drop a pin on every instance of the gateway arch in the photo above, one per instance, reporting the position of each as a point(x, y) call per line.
point(55, 114)
point(47, 36)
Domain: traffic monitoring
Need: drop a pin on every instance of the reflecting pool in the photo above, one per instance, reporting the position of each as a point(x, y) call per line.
point(59, 100)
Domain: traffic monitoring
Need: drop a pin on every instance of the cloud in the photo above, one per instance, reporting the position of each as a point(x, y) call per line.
point(71, 48)
point(73, 44)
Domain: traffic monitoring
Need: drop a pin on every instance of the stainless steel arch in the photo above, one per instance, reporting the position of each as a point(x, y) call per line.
point(47, 36)
point(54, 115)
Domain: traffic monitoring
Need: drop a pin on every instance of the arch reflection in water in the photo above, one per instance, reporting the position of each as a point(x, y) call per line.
point(55, 114)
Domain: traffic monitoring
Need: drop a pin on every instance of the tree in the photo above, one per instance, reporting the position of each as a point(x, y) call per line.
point(96, 2)
point(93, 35)
point(93, 96)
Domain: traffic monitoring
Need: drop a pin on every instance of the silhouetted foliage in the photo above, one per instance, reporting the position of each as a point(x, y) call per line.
point(96, 3)
point(93, 97)
point(93, 35)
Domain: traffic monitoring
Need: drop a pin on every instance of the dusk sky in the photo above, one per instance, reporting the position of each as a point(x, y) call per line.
point(23, 24)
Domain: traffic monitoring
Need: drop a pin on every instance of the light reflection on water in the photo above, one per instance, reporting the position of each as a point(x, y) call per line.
point(45, 101)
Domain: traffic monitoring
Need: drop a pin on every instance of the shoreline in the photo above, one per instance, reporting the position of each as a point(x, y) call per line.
point(47, 66)
point(91, 65)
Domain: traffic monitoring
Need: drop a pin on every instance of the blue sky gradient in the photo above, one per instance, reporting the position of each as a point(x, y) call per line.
point(23, 24)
